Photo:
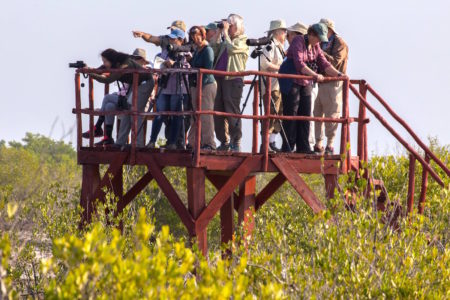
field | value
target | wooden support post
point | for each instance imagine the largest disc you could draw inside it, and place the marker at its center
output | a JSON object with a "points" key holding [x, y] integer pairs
{"points": [[91, 108], [411, 183], [117, 183], [246, 209], [89, 184], [78, 107], [134, 119], [331, 181], [196, 202], [423, 190], [227, 222], [255, 121], [361, 123], [344, 130]]}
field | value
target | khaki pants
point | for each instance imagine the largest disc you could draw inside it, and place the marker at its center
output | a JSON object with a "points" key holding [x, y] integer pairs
{"points": [[228, 99], [275, 125], [328, 104], [207, 134]]}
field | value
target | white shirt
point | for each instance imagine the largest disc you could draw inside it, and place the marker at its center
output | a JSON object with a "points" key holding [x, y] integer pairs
{"points": [[276, 56]]}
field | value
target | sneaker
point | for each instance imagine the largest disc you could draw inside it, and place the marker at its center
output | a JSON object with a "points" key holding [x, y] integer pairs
{"points": [[273, 147], [105, 141], [98, 132], [207, 147], [171, 147], [318, 150], [224, 147], [329, 150], [189, 147], [151, 145], [235, 148]]}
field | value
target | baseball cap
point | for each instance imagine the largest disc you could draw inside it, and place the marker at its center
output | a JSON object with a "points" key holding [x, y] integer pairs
{"points": [[321, 30], [177, 34]]}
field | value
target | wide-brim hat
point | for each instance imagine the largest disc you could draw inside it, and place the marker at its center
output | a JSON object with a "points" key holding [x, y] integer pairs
{"points": [[329, 23], [177, 24], [140, 53], [298, 27], [276, 24]]}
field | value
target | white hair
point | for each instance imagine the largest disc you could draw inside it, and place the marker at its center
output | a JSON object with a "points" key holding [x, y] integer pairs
{"points": [[238, 21]]}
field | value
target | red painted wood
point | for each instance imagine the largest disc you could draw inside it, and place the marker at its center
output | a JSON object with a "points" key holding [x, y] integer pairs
{"points": [[226, 191], [90, 182], [246, 216], [298, 184], [255, 121], [198, 123], [197, 202], [91, 107], [331, 182], [134, 191], [219, 181], [269, 190], [411, 183], [345, 92], [78, 107], [397, 136], [423, 190], [134, 127], [171, 194], [361, 124], [410, 131]]}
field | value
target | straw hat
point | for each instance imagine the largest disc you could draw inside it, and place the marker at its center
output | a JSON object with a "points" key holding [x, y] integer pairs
{"points": [[277, 24], [177, 24], [298, 27], [329, 23], [139, 53]]}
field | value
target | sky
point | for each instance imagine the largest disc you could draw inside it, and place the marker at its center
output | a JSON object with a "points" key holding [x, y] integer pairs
{"points": [[400, 47]]}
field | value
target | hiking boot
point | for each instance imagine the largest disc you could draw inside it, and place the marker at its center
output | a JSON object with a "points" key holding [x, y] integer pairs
{"points": [[235, 148], [224, 147], [273, 147], [151, 145], [171, 147], [207, 147], [105, 141], [329, 150], [318, 150], [98, 132]]}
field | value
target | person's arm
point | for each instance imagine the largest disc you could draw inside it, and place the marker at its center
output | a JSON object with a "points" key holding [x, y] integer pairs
{"points": [[108, 78], [325, 65], [235, 46], [147, 37], [338, 54]]}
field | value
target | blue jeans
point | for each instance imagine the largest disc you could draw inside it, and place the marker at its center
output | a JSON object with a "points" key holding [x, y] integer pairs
{"points": [[167, 102]]}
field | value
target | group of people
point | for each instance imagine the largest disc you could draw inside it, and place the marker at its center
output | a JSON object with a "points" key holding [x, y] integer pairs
{"points": [[317, 51]]}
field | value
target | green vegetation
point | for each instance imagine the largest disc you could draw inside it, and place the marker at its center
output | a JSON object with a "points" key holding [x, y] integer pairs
{"points": [[292, 253]]}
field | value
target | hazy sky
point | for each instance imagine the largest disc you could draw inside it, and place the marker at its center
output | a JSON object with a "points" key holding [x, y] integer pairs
{"points": [[400, 47]]}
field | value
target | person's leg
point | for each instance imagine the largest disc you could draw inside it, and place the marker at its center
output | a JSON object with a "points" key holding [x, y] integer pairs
{"points": [[304, 109], [290, 108], [220, 127], [208, 95], [144, 91], [176, 124], [162, 104], [314, 94], [318, 112], [232, 94], [333, 109], [192, 129]]}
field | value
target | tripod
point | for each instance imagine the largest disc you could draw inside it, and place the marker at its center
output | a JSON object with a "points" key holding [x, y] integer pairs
{"points": [[256, 53]]}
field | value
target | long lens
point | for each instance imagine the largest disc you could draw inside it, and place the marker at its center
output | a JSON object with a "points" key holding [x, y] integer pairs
{"points": [[258, 42], [182, 48], [220, 25]]}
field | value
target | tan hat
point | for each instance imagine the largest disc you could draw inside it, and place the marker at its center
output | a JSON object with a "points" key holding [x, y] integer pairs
{"points": [[177, 24], [277, 24], [329, 23], [139, 53], [298, 27]]}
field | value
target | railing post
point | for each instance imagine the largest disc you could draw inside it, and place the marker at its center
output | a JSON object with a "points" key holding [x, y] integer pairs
{"points": [[78, 107], [106, 89], [423, 190], [346, 163], [198, 123], [255, 113], [266, 123], [134, 117], [91, 108], [411, 183], [361, 123]]}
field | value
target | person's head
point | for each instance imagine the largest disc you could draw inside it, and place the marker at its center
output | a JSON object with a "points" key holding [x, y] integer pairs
{"points": [[236, 25], [112, 58], [176, 37], [317, 33], [177, 24], [277, 30], [330, 25], [140, 56], [211, 30], [297, 29], [197, 35]]}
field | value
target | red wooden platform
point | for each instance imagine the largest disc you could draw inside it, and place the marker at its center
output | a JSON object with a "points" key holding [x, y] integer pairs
{"points": [[230, 171]]}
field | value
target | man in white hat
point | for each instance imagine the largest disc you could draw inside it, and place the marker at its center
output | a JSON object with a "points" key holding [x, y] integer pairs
{"points": [[329, 99], [270, 62]]}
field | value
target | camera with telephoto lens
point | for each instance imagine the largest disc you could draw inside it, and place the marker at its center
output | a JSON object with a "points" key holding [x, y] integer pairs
{"points": [[77, 65], [259, 42]]}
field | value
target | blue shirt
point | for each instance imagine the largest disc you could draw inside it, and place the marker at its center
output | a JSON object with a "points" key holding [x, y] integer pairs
{"points": [[204, 59]]}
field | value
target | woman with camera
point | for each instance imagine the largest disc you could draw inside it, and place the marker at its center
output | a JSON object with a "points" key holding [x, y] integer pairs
{"points": [[173, 90], [231, 51], [117, 60], [203, 58]]}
